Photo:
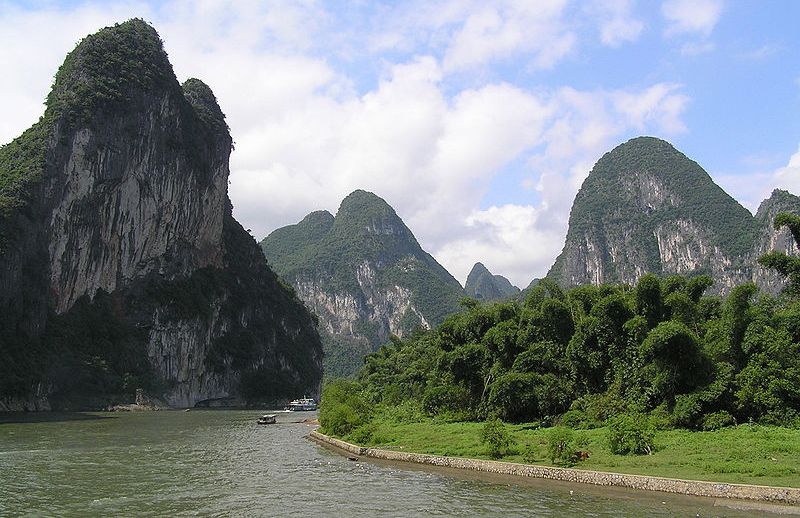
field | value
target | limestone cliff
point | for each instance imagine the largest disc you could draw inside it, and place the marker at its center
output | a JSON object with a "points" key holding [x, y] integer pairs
{"points": [[646, 207], [769, 239], [482, 285], [120, 262], [365, 276]]}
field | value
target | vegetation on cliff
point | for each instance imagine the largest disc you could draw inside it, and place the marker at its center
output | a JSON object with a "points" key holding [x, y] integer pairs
{"points": [[787, 266], [640, 188], [333, 254]]}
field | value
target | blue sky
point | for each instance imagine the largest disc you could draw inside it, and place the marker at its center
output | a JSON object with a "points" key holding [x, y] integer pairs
{"points": [[477, 121]]}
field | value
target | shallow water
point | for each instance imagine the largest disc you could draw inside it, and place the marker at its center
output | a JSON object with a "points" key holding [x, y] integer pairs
{"points": [[219, 462]]}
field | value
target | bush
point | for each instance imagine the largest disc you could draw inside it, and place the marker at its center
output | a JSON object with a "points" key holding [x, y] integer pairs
{"points": [[513, 396], [496, 437], [718, 420], [343, 408], [561, 446], [577, 419], [364, 434], [630, 434], [443, 398]]}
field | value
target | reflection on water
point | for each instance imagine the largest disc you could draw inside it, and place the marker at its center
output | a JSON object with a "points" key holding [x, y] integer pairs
{"points": [[222, 463]]}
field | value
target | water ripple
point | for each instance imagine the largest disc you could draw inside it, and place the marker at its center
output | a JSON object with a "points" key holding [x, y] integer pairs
{"points": [[220, 463]]}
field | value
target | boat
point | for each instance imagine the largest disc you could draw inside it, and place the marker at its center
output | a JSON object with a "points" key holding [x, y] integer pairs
{"points": [[303, 404], [266, 419]]}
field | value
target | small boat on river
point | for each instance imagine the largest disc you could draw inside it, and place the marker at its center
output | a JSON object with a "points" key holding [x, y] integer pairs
{"points": [[302, 404], [266, 419]]}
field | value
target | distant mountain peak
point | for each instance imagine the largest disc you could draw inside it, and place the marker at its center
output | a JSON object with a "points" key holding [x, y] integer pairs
{"points": [[484, 286]]}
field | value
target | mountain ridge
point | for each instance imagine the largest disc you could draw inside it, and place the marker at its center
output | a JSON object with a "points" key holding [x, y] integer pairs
{"points": [[364, 274], [647, 208]]}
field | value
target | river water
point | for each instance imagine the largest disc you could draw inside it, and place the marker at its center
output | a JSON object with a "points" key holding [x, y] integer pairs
{"points": [[219, 462]]}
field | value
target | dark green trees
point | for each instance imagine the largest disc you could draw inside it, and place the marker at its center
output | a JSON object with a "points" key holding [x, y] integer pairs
{"points": [[594, 352]]}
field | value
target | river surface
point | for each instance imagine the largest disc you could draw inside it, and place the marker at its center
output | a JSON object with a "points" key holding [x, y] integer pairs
{"points": [[220, 463]]}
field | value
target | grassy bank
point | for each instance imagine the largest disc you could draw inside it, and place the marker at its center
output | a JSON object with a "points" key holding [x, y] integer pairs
{"points": [[747, 454]]}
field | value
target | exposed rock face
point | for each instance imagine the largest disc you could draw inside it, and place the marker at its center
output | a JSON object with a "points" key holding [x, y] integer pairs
{"points": [[483, 286], [770, 239], [645, 207], [365, 276], [127, 216]]}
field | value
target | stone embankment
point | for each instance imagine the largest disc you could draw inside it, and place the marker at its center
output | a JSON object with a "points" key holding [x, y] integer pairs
{"points": [[783, 495]]}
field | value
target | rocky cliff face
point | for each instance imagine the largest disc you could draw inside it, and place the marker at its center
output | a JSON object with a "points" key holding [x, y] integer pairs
{"points": [[365, 276], [769, 239], [485, 287], [119, 208], [645, 207]]}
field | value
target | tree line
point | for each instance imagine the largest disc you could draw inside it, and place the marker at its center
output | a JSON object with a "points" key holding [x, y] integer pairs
{"points": [[579, 357]]}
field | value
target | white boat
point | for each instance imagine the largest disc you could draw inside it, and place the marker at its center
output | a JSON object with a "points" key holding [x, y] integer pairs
{"points": [[302, 404], [266, 419]]}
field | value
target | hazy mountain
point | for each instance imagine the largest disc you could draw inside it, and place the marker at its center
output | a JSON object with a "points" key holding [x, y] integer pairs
{"points": [[484, 286]]}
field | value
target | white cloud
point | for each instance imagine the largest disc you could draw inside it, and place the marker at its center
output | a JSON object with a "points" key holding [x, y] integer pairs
{"points": [[695, 48], [753, 188], [507, 239], [788, 177], [697, 17], [761, 53], [306, 137], [616, 22], [660, 104]]}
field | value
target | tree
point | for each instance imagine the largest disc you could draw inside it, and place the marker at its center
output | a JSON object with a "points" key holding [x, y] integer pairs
{"points": [[787, 266], [674, 362], [648, 299]]}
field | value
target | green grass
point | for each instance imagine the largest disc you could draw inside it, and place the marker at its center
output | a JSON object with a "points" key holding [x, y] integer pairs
{"points": [[747, 454]]}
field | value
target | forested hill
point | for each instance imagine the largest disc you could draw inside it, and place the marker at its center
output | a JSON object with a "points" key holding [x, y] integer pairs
{"points": [[364, 274], [647, 208], [121, 266]]}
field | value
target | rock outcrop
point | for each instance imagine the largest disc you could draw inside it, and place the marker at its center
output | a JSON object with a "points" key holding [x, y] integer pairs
{"points": [[365, 276], [485, 287], [647, 208], [769, 239], [121, 266]]}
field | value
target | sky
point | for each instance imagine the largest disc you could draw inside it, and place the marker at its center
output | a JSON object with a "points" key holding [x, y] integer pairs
{"points": [[477, 121]]}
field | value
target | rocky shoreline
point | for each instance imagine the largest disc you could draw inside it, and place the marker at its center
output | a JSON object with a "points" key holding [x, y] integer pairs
{"points": [[769, 494]]}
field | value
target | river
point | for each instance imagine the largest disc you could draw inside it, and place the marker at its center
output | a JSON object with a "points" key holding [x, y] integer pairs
{"points": [[219, 462]]}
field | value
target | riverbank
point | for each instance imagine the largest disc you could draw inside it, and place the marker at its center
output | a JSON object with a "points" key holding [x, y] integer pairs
{"points": [[744, 454], [781, 495]]}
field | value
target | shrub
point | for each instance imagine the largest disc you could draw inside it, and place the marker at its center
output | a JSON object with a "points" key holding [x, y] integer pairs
{"points": [[718, 420], [561, 446], [444, 398], [577, 419], [630, 434], [343, 408], [364, 434], [496, 437]]}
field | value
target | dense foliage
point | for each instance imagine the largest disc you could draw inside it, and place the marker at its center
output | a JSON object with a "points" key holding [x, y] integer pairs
{"points": [[658, 354]]}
